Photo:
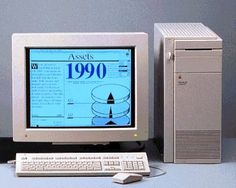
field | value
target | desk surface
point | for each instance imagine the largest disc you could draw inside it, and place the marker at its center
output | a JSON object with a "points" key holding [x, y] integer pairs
{"points": [[178, 175]]}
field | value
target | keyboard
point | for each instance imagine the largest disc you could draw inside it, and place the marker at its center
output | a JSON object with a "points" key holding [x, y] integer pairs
{"points": [[81, 164]]}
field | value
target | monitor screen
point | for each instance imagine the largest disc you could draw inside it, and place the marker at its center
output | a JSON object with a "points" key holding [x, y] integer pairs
{"points": [[80, 87]]}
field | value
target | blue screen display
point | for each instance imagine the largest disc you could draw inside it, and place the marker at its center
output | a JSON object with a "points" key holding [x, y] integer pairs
{"points": [[80, 87]]}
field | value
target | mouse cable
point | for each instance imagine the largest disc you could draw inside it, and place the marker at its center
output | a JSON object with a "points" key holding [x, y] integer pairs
{"points": [[163, 172], [11, 162]]}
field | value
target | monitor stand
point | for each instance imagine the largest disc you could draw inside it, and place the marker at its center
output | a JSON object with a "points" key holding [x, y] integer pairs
{"points": [[83, 143], [8, 148]]}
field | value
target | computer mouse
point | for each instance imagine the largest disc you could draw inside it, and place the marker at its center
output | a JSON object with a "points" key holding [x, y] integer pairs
{"points": [[124, 178]]}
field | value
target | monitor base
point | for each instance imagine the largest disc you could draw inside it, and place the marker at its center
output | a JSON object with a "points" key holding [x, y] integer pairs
{"points": [[83, 143], [9, 148]]}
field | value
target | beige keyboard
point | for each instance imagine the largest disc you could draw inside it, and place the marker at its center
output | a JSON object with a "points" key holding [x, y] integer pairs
{"points": [[80, 164]]}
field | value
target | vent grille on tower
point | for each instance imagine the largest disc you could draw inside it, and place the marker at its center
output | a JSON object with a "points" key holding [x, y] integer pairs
{"points": [[186, 30], [194, 144]]}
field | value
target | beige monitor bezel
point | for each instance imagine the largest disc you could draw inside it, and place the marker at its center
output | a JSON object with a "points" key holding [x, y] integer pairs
{"points": [[75, 135]]}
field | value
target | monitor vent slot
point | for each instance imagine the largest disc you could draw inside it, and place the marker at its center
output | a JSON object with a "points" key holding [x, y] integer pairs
{"points": [[203, 144]]}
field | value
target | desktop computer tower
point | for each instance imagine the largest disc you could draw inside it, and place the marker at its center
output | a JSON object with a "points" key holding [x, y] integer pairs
{"points": [[188, 92]]}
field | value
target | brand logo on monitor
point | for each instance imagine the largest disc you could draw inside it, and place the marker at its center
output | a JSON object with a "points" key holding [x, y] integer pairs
{"points": [[80, 57]]}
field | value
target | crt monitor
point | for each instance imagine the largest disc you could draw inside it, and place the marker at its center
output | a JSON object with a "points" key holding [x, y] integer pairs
{"points": [[80, 87]]}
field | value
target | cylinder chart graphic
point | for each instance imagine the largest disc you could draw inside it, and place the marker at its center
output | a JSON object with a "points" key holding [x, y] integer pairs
{"points": [[111, 105]]}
